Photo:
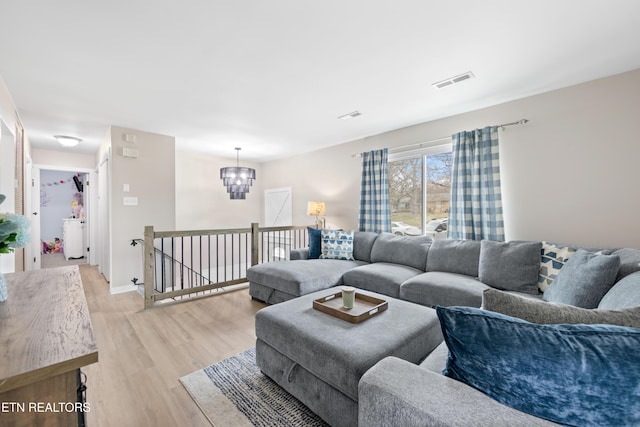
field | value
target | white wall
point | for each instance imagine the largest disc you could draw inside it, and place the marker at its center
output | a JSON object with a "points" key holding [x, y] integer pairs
{"points": [[202, 202], [7, 186], [8, 112], [151, 178], [63, 159], [331, 175], [7, 163], [569, 175]]}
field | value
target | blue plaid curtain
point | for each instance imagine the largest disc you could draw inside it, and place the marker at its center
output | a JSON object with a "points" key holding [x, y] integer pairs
{"points": [[476, 199], [374, 192]]}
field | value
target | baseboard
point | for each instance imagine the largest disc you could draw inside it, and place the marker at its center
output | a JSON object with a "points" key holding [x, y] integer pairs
{"points": [[122, 289]]}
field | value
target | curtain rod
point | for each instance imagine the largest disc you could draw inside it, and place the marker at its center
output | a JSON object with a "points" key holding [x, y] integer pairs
{"points": [[420, 144]]}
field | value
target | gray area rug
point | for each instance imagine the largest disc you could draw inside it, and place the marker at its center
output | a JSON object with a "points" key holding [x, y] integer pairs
{"points": [[234, 392]]}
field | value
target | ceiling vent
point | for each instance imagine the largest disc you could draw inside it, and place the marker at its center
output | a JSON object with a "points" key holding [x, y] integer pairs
{"points": [[351, 115], [452, 80]]}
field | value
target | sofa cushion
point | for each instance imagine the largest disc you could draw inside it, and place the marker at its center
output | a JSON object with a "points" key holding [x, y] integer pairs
{"points": [[584, 279], [298, 254], [436, 361], [590, 374], [629, 261], [454, 256], [511, 266], [624, 294], [362, 244], [382, 277], [553, 258], [406, 250], [536, 311], [300, 277], [437, 288], [337, 244]]}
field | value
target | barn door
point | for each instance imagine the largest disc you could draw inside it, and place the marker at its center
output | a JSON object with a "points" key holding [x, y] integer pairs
{"points": [[277, 207]]}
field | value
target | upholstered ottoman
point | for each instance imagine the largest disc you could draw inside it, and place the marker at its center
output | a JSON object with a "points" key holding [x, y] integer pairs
{"points": [[319, 358]]}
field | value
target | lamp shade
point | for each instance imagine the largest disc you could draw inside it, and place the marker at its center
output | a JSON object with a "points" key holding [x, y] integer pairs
{"points": [[315, 208]]}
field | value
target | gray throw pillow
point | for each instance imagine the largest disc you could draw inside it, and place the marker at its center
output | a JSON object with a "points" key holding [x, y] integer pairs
{"points": [[454, 256], [624, 294], [405, 250], [511, 266], [584, 279], [536, 311], [362, 244], [629, 262]]}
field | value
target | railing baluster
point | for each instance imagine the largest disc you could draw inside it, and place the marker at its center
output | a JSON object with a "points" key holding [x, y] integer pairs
{"points": [[217, 259], [167, 264]]}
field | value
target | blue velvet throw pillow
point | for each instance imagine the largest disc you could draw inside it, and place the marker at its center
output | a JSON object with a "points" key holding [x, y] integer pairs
{"points": [[580, 375], [315, 242]]}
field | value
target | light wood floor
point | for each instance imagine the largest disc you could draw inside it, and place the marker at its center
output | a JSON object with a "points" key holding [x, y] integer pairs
{"points": [[142, 354]]}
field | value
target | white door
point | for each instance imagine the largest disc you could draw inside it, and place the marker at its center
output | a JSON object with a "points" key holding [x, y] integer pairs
{"points": [[34, 248], [35, 219], [86, 201], [277, 207]]}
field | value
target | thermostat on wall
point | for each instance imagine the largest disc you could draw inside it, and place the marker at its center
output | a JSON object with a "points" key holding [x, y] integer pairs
{"points": [[130, 152], [130, 201]]}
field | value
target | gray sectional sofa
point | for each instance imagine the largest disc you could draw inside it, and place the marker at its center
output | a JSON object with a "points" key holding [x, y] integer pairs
{"points": [[455, 273], [395, 392], [412, 268]]}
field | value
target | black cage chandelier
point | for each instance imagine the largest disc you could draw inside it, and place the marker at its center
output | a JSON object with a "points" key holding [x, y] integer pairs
{"points": [[238, 180]]}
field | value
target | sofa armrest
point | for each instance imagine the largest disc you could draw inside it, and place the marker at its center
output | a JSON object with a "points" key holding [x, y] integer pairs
{"points": [[395, 392], [296, 254]]}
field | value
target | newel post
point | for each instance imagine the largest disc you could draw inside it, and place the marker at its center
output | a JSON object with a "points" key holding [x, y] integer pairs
{"points": [[255, 242], [149, 267]]}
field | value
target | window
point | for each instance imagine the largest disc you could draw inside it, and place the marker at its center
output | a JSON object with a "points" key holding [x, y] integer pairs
{"points": [[419, 191]]}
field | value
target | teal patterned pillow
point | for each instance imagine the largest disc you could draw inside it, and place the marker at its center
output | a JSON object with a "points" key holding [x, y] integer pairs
{"points": [[552, 260], [337, 244]]}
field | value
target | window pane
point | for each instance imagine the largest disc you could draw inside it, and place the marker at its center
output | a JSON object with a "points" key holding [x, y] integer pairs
{"points": [[409, 180], [405, 195], [438, 185]]}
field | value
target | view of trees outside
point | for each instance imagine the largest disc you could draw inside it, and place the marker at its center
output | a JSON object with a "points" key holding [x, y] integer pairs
{"points": [[406, 183], [405, 191]]}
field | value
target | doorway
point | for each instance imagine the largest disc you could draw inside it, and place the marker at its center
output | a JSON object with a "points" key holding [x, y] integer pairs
{"points": [[61, 216]]}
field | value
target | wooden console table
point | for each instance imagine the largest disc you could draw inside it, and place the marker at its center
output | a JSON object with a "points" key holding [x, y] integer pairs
{"points": [[45, 338]]}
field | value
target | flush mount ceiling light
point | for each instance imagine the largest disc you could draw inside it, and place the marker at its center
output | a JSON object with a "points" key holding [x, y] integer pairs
{"points": [[67, 141], [350, 115], [237, 180], [453, 80]]}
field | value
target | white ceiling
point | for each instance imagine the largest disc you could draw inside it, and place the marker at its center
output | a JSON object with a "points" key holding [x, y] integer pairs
{"points": [[273, 76]]}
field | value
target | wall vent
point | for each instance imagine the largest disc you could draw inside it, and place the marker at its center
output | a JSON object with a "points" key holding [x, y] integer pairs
{"points": [[456, 79]]}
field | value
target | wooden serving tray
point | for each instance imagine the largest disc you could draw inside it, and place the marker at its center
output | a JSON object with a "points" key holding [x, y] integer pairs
{"points": [[364, 307]]}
